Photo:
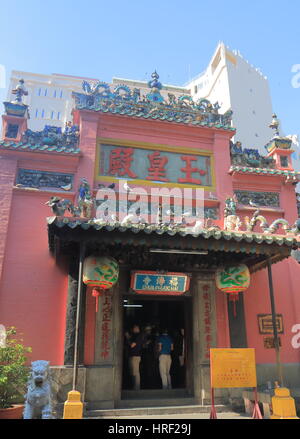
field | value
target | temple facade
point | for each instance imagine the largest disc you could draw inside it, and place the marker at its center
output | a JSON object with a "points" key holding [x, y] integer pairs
{"points": [[154, 185]]}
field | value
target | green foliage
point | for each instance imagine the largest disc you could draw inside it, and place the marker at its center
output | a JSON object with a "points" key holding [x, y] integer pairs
{"points": [[13, 372]]}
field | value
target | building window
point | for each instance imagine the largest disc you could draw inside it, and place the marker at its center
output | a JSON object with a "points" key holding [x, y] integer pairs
{"points": [[52, 114], [195, 89], [39, 92], [61, 93], [284, 161], [46, 92], [54, 94], [43, 113], [36, 113], [12, 131], [58, 115]]}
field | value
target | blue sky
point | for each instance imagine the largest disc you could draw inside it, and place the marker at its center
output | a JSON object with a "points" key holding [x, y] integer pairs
{"points": [[102, 39]]}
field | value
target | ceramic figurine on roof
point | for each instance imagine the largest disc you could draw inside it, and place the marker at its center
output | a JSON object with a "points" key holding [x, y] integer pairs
{"points": [[95, 88], [249, 157], [60, 206], [260, 221], [256, 219], [85, 199], [236, 148], [71, 133], [231, 220], [155, 85], [230, 206], [280, 142], [275, 125], [52, 135], [20, 91], [17, 107], [125, 101]]}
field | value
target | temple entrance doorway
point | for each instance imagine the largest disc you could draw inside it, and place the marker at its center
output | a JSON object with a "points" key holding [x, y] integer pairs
{"points": [[153, 316]]}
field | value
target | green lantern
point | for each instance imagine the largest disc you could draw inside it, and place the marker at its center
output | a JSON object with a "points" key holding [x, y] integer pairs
{"points": [[233, 280], [100, 271]]}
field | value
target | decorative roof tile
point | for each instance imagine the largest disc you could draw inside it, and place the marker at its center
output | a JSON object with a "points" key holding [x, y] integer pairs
{"points": [[123, 101], [264, 171], [4, 145], [215, 233], [50, 139]]}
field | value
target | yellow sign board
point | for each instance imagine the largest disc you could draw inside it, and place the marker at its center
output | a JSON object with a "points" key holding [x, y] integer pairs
{"points": [[232, 368]]}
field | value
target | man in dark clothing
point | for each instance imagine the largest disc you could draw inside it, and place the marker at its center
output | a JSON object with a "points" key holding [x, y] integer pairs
{"points": [[135, 348], [149, 359], [178, 358]]}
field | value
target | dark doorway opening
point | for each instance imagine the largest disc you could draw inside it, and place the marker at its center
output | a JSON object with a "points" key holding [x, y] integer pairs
{"points": [[152, 316]]}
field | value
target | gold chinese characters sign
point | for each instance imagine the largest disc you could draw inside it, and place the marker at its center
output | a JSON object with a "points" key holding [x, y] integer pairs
{"points": [[232, 368]]}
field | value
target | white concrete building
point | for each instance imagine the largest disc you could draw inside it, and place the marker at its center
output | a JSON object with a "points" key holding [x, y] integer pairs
{"points": [[235, 84], [49, 97], [228, 79]]}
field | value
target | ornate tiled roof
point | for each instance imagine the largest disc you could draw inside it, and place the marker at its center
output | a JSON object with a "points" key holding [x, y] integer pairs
{"points": [[124, 101], [24, 146], [156, 229], [249, 157], [265, 171]]}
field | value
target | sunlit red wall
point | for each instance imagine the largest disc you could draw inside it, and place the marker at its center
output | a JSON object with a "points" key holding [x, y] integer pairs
{"points": [[33, 287]]}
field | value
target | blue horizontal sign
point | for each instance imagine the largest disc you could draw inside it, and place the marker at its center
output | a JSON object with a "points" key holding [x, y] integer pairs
{"points": [[149, 282]]}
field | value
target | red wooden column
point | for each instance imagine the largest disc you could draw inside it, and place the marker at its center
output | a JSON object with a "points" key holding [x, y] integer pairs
{"points": [[90, 327]]}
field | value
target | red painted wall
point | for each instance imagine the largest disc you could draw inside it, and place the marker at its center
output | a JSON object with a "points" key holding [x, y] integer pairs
{"points": [[286, 275], [33, 287]]}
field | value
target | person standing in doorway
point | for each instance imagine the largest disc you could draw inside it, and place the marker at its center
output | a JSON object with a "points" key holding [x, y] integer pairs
{"points": [[165, 347], [178, 357], [148, 359], [135, 349]]}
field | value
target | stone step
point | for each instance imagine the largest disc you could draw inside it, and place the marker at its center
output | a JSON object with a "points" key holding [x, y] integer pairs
{"points": [[155, 402], [159, 410], [154, 394]]}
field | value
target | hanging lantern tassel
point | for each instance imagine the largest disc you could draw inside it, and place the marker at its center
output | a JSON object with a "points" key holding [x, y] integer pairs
{"points": [[234, 297], [96, 292]]}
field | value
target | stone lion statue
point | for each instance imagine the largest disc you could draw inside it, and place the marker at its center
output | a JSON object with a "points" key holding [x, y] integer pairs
{"points": [[38, 404]]}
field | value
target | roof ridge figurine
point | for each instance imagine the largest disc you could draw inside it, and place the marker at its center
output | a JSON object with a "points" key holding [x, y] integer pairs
{"points": [[98, 96], [20, 91]]}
